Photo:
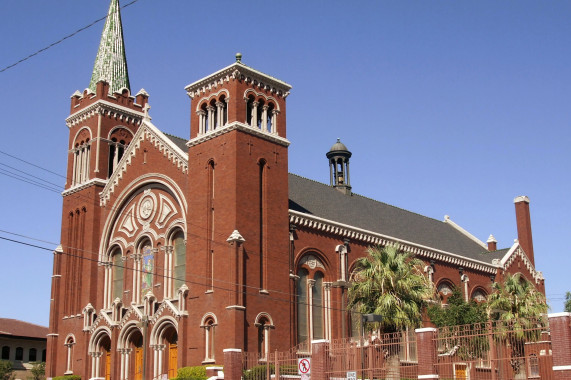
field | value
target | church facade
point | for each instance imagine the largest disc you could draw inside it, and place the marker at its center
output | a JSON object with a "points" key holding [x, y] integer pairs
{"points": [[174, 249]]}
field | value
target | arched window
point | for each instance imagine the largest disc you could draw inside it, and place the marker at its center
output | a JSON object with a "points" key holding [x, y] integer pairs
{"points": [[69, 343], [119, 140], [479, 295], [32, 355], [146, 269], [313, 301], [445, 290], [264, 324], [301, 294], [5, 352], [251, 111], [118, 273], [179, 260], [19, 353], [317, 306], [209, 326]]}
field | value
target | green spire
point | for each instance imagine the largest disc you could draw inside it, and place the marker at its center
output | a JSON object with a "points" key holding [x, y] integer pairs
{"points": [[111, 62]]}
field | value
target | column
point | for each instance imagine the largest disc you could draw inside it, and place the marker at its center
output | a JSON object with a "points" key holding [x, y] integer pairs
{"points": [[211, 121], [560, 326], [232, 364], [275, 121], [74, 175], [310, 285], [201, 121], [220, 114], [254, 115], [265, 117], [426, 342]]}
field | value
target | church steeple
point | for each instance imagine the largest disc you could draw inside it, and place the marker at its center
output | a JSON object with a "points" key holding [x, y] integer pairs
{"points": [[111, 62]]}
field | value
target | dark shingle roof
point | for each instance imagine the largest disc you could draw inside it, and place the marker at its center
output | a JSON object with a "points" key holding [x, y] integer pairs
{"points": [[178, 141], [17, 328], [323, 201]]}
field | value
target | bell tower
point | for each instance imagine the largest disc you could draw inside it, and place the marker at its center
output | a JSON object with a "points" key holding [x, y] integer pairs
{"points": [[338, 157], [103, 120], [238, 201]]}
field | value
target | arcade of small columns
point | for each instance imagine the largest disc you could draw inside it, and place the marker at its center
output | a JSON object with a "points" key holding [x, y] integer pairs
{"points": [[214, 116]]}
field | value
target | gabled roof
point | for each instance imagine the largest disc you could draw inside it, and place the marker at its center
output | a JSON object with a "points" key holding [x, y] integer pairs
{"points": [[16, 328], [178, 141], [318, 199], [111, 62]]}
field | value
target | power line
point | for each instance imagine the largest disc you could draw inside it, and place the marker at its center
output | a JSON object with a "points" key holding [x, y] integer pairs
{"points": [[61, 40]]}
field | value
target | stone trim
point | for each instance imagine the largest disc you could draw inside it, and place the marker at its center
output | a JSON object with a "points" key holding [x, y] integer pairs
{"points": [[557, 315], [562, 367], [147, 132], [102, 107], [514, 252], [366, 236], [84, 185], [449, 221], [238, 71], [236, 125]]}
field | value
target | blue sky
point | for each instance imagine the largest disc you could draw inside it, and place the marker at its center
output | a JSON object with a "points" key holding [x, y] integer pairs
{"points": [[450, 108]]}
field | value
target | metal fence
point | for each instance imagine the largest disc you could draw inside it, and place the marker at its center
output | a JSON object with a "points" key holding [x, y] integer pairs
{"points": [[384, 356], [276, 365], [494, 351]]}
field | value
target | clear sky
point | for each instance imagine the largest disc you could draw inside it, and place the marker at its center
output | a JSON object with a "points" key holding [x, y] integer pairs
{"points": [[449, 107]]}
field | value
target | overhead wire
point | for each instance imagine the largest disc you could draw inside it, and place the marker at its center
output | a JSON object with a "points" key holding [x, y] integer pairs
{"points": [[51, 45]]}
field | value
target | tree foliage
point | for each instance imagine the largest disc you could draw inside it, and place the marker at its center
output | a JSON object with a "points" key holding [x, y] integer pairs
{"points": [[6, 370], [568, 302], [457, 311], [517, 302], [391, 283]]}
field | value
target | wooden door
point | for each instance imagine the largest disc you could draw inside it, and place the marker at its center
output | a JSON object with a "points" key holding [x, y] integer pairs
{"points": [[108, 365], [139, 363], [461, 372], [173, 357]]}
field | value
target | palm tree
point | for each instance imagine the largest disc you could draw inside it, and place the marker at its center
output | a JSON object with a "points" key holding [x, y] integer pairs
{"points": [[391, 283], [517, 302], [520, 309]]}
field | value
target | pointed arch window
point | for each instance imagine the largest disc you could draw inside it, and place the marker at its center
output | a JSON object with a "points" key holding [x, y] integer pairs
{"points": [[209, 325], [179, 260]]}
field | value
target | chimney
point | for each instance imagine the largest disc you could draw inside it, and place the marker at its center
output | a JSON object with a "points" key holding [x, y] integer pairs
{"points": [[523, 221], [492, 243]]}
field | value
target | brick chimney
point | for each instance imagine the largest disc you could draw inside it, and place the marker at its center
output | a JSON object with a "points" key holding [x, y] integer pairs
{"points": [[523, 221], [492, 243]]}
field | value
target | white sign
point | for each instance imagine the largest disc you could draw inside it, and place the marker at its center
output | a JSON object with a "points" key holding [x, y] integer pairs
{"points": [[352, 375], [304, 366]]}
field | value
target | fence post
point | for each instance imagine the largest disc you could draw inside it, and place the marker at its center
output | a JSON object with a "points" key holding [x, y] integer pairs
{"points": [[277, 366], [319, 359], [426, 352], [232, 364], [560, 328]]}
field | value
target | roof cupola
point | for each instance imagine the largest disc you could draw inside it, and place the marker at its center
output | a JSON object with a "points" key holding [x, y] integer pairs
{"points": [[338, 157], [111, 62]]}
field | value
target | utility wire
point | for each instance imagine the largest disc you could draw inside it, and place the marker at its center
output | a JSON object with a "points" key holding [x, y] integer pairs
{"points": [[61, 40]]}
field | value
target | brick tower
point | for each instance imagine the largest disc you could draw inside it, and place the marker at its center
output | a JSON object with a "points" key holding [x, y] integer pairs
{"points": [[238, 207], [102, 122]]}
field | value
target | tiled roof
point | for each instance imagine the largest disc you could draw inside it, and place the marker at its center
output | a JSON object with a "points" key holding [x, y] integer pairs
{"points": [[324, 201], [111, 62], [17, 328], [178, 141]]}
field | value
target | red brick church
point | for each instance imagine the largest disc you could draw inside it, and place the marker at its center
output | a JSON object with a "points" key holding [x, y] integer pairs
{"points": [[174, 249]]}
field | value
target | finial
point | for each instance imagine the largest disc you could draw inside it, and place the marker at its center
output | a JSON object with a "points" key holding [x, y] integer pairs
{"points": [[338, 139], [239, 57]]}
